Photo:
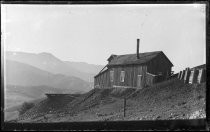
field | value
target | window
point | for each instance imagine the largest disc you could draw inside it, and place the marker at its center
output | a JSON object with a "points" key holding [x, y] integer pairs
{"points": [[122, 76], [112, 76]]}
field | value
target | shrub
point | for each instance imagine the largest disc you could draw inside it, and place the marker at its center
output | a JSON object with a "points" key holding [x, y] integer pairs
{"points": [[25, 106]]}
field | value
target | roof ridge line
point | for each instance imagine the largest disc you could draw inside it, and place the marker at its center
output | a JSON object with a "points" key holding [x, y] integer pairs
{"points": [[141, 53]]}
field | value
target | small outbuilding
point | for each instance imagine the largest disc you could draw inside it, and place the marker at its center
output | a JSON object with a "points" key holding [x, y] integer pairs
{"points": [[134, 70]]}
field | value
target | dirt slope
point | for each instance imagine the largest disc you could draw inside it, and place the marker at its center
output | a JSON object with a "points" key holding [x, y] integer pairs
{"points": [[169, 100]]}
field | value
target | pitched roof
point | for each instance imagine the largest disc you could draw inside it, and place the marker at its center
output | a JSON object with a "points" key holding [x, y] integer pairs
{"points": [[132, 58]]}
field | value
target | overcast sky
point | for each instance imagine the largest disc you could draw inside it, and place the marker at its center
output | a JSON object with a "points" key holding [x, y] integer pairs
{"points": [[91, 33]]}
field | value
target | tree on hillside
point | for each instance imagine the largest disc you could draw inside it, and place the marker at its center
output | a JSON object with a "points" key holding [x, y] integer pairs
{"points": [[25, 106]]}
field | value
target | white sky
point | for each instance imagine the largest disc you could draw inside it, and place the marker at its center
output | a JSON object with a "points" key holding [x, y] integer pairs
{"points": [[91, 33]]}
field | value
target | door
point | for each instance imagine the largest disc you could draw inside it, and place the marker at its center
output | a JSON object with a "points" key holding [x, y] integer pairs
{"points": [[139, 81]]}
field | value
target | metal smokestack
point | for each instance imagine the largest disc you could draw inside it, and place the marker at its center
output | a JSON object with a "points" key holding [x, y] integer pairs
{"points": [[137, 50]]}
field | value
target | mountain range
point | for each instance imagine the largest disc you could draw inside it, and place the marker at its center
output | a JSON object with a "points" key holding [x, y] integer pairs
{"points": [[26, 75], [48, 62], [35, 74]]}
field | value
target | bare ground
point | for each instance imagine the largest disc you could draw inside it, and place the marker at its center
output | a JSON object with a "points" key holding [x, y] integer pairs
{"points": [[169, 100]]}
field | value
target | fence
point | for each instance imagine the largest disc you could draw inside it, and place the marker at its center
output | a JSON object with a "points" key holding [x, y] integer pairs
{"points": [[193, 75]]}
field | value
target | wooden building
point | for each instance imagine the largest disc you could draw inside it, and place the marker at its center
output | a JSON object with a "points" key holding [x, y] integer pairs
{"points": [[134, 70]]}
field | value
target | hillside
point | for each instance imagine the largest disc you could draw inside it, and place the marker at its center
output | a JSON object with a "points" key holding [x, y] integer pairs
{"points": [[11, 110], [24, 82], [16, 95], [26, 75], [48, 62], [169, 100]]}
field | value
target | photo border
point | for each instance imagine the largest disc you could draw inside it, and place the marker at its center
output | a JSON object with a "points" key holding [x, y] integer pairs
{"points": [[194, 124]]}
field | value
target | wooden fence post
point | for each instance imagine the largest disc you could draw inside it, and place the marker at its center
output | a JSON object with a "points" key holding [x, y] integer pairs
{"points": [[187, 75], [180, 75], [191, 77], [124, 106], [195, 76], [201, 76]]}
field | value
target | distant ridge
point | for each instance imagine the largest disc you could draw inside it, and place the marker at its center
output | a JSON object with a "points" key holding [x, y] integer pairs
{"points": [[48, 62], [26, 75]]}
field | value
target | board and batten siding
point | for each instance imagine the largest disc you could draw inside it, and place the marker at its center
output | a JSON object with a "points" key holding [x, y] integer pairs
{"points": [[102, 80], [130, 79], [159, 64]]}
